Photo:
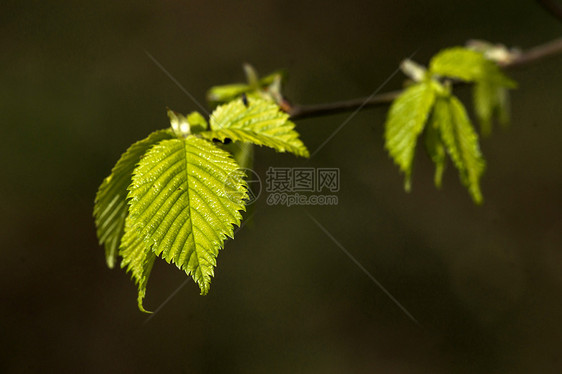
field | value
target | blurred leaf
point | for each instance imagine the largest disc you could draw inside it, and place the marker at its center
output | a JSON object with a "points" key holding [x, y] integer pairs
{"points": [[406, 119], [415, 71], [461, 142], [490, 99], [468, 65], [242, 152], [179, 123], [198, 122], [110, 207], [434, 145], [497, 53], [261, 123], [269, 79], [183, 126], [266, 88], [251, 76], [223, 94]]}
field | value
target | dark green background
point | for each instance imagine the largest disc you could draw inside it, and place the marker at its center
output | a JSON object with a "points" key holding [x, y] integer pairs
{"points": [[77, 88]]}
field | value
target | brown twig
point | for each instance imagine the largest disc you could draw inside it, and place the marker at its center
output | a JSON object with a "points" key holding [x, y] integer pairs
{"points": [[537, 53], [317, 110], [528, 57]]}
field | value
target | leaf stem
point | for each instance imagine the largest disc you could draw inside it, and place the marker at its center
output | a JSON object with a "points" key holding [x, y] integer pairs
{"points": [[298, 111]]}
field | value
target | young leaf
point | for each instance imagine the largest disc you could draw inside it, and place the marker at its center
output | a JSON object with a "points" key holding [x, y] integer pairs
{"points": [[458, 62], [413, 70], [502, 106], [192, 124], [261, 123], [406, 119], [198, 122], [490, 99], [435, 148], [255, 88], [110, 207], [251, 76], [186, 194], [467, 65], [461, 142], [222, 94], [180, 124], [138, 259]]}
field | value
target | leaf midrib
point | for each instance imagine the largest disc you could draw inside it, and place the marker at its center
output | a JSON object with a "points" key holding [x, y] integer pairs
{"points": [[190, 218]]}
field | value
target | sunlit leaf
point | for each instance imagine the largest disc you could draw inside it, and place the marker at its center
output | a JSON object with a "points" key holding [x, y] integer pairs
{"points": [[222, 94], [261, 123], [490, 100], [110, 208], [197, 121], [434, 146], [406, 119], [266, 88], [468, 65], [461, 142], [186, 194], [138, 258]]}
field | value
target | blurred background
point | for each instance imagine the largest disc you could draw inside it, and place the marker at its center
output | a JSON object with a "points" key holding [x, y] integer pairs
{"points": [[485, 283]]}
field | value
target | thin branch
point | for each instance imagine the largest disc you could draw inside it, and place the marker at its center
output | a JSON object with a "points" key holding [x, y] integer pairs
{"points": [[555, 9], [535, 54], [317, 110], [528, 57]]}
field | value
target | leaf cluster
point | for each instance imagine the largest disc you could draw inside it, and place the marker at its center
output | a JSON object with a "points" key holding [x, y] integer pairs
{"points": [[428, 108], [177, 194], [266, 88]]}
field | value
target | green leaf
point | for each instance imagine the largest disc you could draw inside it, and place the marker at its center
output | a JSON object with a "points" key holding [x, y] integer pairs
{"points": [[435, 148], [461, 142], [266, 88], [251, 76], [490, 99], [186, 194], [197, 121], [278, 75], [110, 207], [467, 65], [180, 124], [503, 107], [242, 152], [138, 259], [222, 94], [183, 126], [458, 62], [261, 123], [406, 119]]}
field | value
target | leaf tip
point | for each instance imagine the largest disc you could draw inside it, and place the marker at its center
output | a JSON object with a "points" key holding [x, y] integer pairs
{"points": [[477, 195], [438, 179], [110, 261], [141, 307], [204, 286], [408, 183]]}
